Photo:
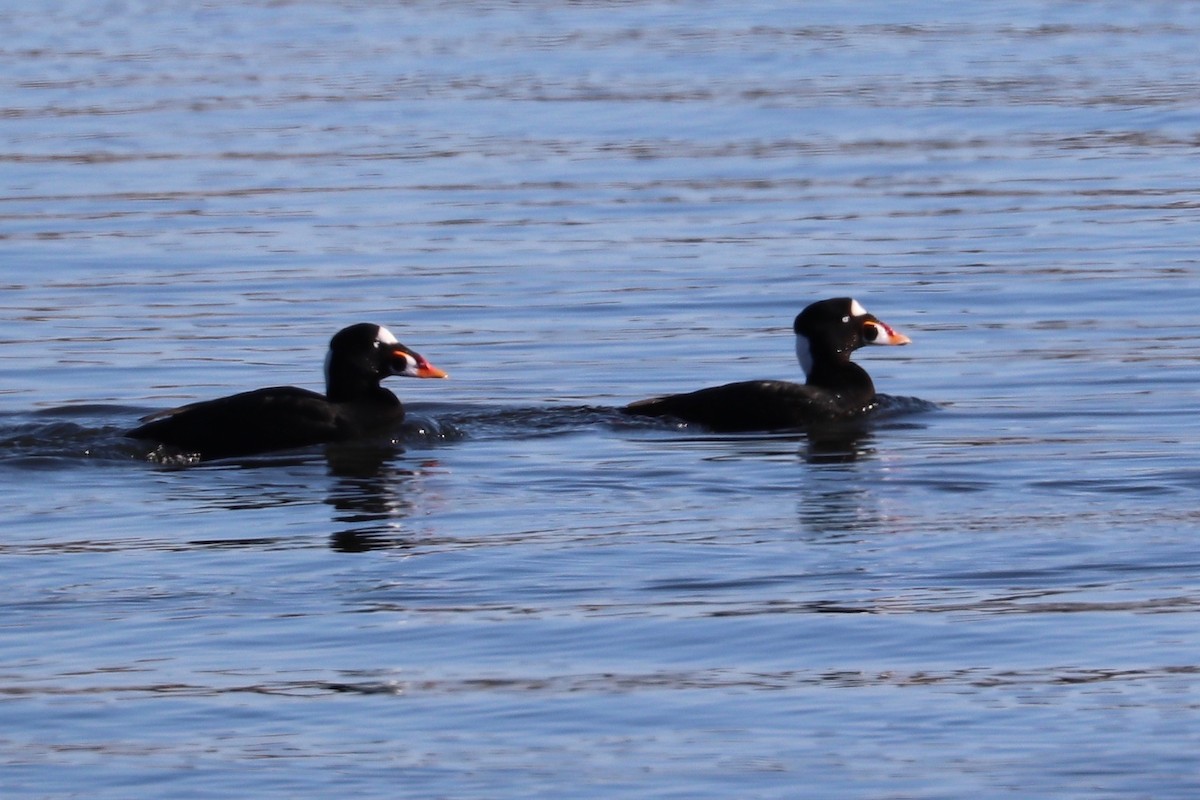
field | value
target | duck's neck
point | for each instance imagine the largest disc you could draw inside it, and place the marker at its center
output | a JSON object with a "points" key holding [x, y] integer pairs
{"points": [[374, 395], [344, 385], [845, 378]]}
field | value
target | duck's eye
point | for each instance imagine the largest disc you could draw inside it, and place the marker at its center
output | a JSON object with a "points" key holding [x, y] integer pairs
{"points": [[845, 319]]}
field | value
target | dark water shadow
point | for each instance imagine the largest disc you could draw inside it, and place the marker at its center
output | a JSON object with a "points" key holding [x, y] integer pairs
{"points": [[528, 422], [67, 436]]}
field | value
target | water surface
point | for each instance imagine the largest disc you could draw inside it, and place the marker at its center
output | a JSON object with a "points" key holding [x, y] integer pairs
{"points": [[569, 207]]}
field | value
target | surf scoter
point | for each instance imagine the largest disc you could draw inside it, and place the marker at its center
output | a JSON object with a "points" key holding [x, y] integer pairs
{"points": [[283, 417], [827, 332]]}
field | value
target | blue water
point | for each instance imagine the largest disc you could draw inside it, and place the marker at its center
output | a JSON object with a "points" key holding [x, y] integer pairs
{"points": [[569, 207]]}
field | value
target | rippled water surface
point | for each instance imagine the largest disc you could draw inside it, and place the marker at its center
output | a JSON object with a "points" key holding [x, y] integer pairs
{"points": [[989, 591]]}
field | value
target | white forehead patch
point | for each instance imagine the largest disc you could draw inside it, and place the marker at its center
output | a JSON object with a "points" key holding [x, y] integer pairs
{"points": [[856, 309], [385, 336]]}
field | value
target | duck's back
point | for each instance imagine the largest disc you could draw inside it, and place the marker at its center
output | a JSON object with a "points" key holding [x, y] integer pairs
{"points": [[276, 418], [747, 406]]}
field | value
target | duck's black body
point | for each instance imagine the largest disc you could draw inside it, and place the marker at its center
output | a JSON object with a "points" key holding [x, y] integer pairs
{"points": [[748, 406], [827, 332], [277, 418], [284, 417]]}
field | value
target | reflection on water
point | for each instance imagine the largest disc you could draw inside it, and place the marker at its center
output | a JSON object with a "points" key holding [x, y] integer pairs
{"points": [[575, 205], [839, 513], [370, 496]]}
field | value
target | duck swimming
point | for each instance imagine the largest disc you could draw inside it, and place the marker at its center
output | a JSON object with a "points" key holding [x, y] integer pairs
{"points": [[285, 417], [827, 332]]}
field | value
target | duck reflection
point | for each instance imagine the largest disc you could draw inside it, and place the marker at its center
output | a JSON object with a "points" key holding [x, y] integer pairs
{"points": [[838, 445], [839, 503], [370, 495], [839, 514]]}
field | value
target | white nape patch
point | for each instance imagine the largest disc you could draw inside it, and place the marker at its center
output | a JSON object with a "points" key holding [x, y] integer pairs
{"points": [[385, 336], [856, 309], [804, 354]]}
